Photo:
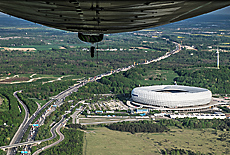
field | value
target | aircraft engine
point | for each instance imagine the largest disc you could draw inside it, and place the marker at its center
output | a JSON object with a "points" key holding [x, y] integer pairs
{"points": [[91, 38]]}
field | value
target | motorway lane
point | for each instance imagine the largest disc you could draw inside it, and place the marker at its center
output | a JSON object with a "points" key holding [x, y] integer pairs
{"points": [[20, 129], [24, 126], [59, 125], [52, 130], [67, 92]]}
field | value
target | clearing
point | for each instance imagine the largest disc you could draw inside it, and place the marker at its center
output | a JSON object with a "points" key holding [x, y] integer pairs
{"points": [[157, 77], [100, 141], [1, 100]]}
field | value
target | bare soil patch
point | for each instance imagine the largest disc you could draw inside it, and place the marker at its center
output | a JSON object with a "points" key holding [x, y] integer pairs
{"points": [[16, 79], [1, 100]]}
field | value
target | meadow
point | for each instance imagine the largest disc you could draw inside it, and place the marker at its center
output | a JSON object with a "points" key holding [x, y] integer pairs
{"points": [[102, 141]]}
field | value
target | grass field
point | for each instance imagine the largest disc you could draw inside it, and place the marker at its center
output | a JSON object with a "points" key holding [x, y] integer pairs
{"points": [[159, 77], [44, 78], [48, 76], [91, 120], [39, 47], [66, 77], [49, 47], [1, 100], [12, 75], [102, 141], [41, 102]]}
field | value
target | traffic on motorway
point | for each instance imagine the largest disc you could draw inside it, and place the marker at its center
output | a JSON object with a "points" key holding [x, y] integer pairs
{"points": [[57, 100]]}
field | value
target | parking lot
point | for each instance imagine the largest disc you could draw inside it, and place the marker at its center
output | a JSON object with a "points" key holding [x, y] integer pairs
{"points": [[107, 105]]}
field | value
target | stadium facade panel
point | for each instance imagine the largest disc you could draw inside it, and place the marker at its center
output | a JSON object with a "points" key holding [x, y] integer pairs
{"points": [[171, 96]]}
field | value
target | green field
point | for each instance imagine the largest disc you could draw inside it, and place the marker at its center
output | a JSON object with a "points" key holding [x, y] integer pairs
{"points": [[102, 141], [157, 77], [49, 47], [41, 102], [44, 75], [41, 47], [44, 78], [66, 77], [12, 75], [3, 107]]}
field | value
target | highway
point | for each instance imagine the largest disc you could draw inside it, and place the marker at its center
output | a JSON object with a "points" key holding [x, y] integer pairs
{"points": [[52, 130], [27, 121], [61, 96], [24, 126], [20, 129], [58, 127]]}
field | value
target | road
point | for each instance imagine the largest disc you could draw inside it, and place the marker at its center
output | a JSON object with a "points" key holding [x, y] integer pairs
{"points": [[24, 126], [59, 125], [26, 122], [109, 122], [39, 106], [20, 129], [52, 130]]}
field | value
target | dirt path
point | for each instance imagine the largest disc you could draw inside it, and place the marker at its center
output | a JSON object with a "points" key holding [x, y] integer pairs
{"points": [[8, 80]]}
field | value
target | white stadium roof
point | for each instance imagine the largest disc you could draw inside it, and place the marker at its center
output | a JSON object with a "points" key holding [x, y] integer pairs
{"points": [[171, 96]]}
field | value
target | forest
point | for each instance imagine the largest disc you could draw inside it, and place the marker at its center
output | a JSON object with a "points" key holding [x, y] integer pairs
{"points": [[11, 117], [72, 144], [180, 152], [135, 127], [61, 53], [216, 80], [217, 124], [163, 125]]}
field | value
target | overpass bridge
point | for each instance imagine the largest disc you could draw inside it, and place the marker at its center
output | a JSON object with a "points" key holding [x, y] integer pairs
{"points": [[20, 144], [52, 130]]}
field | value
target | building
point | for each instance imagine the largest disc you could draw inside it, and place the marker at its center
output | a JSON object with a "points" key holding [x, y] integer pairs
{"points": [[172, 97], [99, 112], [139, 111], [110, 112], [199, 116]]}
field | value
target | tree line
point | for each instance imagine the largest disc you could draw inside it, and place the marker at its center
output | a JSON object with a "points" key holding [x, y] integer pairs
{"points": [[218, 124], [164, 124], [173, 151], [140, 126], [11, 117], [71, 145], [216, 80]]}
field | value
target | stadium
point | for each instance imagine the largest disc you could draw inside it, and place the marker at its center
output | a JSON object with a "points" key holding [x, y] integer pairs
{"points": [[171, 96]]}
